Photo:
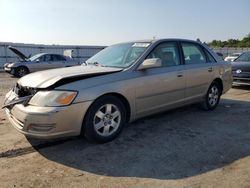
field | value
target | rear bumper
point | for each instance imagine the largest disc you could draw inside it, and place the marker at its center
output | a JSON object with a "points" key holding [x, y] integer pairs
{"points": [[48, 122]]}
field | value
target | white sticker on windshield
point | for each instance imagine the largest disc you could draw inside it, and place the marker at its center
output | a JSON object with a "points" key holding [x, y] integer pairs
{"points": [[141, 44]]}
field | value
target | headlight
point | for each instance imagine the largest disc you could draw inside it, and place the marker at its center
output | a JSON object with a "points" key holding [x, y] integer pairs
{"points": [[10, 65], [53, 98]]}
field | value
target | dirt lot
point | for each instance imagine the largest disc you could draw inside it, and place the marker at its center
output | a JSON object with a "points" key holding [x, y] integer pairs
{"points": [[186, 147]]}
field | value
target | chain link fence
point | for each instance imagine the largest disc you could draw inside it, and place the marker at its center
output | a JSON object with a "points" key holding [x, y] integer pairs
{"points": [[227, 51]]}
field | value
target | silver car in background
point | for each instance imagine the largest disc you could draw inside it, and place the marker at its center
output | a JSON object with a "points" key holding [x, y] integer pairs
{"points": [[232, 57], [38, 62], [120, 84]]}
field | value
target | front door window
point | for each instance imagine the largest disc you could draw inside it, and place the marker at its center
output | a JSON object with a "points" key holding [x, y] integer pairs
{"points": [[168, 53]]}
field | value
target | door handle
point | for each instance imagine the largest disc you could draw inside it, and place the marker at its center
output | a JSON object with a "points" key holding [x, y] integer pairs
{"points": [[179, 74], [210, 69]]}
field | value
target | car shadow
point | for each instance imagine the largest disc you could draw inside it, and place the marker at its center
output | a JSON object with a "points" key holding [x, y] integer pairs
{"points": [[172, 145]]}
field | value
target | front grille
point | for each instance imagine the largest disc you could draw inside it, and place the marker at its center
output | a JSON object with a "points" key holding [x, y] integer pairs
{"points": [[21, 91]]}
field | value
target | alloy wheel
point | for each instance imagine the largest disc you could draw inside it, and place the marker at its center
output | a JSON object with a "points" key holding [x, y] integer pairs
{"points": [[107, 119], [22, 72], [213, 96]]}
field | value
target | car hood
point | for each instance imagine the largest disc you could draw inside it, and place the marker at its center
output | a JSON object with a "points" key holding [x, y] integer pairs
{"points": [[56, 77], [17, 52], [244, 66]]}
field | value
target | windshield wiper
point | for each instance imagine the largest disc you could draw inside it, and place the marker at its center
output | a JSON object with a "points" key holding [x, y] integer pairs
{"points": [[96, 64]]}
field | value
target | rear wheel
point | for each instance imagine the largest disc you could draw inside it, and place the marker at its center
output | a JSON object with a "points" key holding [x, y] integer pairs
{"points": [[21, 71], [212, 97], [104, 119]]}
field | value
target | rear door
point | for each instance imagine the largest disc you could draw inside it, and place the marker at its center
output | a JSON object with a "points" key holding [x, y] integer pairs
{"points": [[56, 61], [162, 87], [199, 70]]}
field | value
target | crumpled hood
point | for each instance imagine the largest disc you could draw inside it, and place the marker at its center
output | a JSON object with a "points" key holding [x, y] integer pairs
{"points": [[45, 79]]}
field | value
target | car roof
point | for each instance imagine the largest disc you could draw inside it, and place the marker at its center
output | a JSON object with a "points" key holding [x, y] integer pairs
{"points": [[48, 54], [162, 40]]}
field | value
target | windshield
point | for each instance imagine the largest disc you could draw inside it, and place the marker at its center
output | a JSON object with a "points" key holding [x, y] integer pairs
{"points": [[33, 58], [244, 57], [119, 55]]}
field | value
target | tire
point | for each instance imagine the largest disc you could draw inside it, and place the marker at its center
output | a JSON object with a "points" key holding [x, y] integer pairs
{"points": [[212, 97], [21, 71], [104, 119]]}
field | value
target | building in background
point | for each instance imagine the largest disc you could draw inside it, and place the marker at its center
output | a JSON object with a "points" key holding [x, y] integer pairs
{"points": [[79, 53]]}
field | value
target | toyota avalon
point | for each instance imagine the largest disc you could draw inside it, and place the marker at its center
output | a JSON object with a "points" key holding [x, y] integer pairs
{"points": [[119, 84]]}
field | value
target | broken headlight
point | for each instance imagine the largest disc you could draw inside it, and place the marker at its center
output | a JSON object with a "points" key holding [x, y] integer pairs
{"points": [[53, 98]]}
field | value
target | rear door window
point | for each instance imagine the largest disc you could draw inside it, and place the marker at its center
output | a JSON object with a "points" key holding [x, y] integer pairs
{"points": [[58, 58], [193, 53]]}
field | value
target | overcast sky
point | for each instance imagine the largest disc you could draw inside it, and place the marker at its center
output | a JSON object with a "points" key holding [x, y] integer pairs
{"points": [[104, 22]]}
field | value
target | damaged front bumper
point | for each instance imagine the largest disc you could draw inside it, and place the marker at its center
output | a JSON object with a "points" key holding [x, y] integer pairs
{"points": [[47, 122]]}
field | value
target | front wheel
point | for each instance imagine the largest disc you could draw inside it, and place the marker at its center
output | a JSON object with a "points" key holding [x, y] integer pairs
{"points": [[104, 119], [21, 71], [212, 97]]}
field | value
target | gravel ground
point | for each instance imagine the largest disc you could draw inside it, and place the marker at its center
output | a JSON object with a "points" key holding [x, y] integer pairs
{"points": [[186, 147]]}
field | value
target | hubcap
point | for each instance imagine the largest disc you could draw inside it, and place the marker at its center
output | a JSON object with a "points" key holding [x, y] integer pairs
{"points": [[21, 72], [213, 96], [107, 120]]}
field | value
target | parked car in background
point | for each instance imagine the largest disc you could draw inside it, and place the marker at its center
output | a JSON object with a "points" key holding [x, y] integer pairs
{"points": [[241, 69], [220, 55], [120, 84], [232, 57], [37, 62]]}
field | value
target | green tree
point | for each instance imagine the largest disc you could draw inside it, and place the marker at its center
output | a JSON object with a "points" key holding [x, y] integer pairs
{"points": [[245, 42]]}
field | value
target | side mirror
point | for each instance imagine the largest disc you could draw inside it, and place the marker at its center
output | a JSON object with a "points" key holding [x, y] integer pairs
{"points": [[150, 63]]}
